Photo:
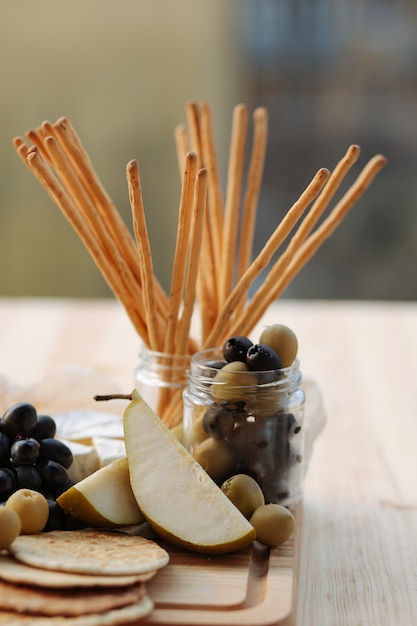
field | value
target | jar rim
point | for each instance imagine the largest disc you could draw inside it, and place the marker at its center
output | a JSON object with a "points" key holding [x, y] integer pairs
{"points": [[161, 356], [195, 361], [201, 374]]}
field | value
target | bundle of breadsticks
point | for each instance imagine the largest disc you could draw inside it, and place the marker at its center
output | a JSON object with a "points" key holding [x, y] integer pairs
{"points": [[213, 271]]}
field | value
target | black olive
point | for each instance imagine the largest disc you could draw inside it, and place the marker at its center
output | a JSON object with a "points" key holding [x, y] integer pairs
{"points": [[262, 358]]}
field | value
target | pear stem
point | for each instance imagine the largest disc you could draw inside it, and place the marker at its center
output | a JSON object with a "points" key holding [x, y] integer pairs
{"points": [[114, 396]]}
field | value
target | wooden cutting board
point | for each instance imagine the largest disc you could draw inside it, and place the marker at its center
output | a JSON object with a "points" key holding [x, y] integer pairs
{"points": [[252, 587]]}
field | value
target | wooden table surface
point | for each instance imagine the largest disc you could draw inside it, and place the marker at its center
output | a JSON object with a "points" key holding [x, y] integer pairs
{"points": [[359, 530]]}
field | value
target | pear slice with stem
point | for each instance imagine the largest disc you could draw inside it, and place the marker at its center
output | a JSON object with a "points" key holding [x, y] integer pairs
{"points": [[104, 499], [177, 497]]}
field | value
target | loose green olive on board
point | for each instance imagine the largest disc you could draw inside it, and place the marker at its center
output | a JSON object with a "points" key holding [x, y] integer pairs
{"points": [[215, 457], [32, 508], [274, 524], [10, 526], [283, 340], [244, 492]]}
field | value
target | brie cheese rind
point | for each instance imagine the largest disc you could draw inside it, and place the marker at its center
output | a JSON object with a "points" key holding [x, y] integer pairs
{"points": [[95, 439], [86, 460], [83, 426]]}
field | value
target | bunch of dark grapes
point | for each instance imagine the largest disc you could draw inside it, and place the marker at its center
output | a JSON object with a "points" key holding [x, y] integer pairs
{"points": [[31, 458]]}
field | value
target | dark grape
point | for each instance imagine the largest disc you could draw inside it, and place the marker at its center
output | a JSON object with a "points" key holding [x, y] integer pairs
{"points": [[31, 457], [236, 348], [54, 475], [19, 418], [57, 519], [5, 445], [25, 451], [56, 450], [72, 523], [261, 358], [28, 477], [8, 482], [45, 428]]}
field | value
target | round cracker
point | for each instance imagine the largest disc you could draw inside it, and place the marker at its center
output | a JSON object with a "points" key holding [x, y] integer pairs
{"points": [[125, 615], [16, 572], [90, 552], [66, 602]]}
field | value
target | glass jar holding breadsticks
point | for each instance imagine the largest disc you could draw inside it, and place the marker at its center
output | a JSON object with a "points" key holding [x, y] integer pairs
{"points": [[213, 270]]}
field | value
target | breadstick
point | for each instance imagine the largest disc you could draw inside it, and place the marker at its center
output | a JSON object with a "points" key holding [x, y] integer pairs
{"points": [[71, 183], [111, 217], [256, 167], [317, 209], [171, 409], [57, 158], [193, 260], [92, 217], [145, 255], [332, 185], [54, 188], [212, 265], [270, 290], [215, 198], [182, 146], [181, 248], [206, 279], [206, 282], [260, 263], [22, 151], [21, 147], [178, 271], [193, 122], [36, 139], [207, 312], [232, 203], [205, 291], [80, 161]]}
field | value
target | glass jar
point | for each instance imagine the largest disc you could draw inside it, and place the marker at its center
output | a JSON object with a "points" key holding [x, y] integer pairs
{"points": [[247, 422], [160, 379]]}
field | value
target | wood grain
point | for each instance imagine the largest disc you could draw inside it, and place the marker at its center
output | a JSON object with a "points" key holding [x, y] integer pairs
{"points": [[358, 543], [252, 587]]}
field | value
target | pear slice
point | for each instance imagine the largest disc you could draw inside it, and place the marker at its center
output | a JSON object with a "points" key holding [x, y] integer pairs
{"points": [[104, 499], [177, 497]]}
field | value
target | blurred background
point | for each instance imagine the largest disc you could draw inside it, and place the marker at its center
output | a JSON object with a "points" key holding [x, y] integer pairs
{"points": [[330, 72]]}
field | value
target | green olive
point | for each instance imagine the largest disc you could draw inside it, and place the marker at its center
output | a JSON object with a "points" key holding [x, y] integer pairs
{"points": [[244, 492], [215, 457], [32, 508], [283, 340], [273, 523], [228, 382], [10, 526]]}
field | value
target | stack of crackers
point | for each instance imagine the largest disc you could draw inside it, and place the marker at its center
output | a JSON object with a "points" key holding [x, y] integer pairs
{"points": [[78, 578]]}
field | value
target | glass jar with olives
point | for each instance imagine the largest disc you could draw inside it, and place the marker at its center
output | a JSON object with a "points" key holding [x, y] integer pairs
{"points": [[243, 413]]}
